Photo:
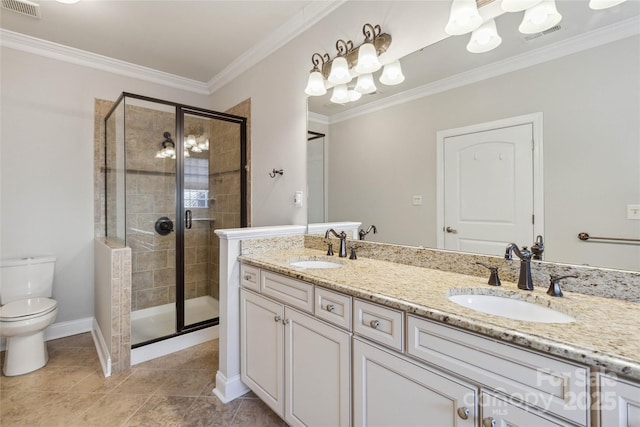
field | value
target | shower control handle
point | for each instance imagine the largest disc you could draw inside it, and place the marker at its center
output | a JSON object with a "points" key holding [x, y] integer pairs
{"points": [[163, 226], [187, 219]]}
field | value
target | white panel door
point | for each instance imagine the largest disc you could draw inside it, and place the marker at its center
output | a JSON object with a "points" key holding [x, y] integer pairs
{"points": [[488, 190]]}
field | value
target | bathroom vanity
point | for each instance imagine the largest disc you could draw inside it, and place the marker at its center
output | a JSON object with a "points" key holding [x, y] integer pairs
{"points": [[371, 342]]}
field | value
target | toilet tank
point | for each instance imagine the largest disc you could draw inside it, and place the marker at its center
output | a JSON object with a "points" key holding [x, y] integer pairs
{"points": [[27, 277]]}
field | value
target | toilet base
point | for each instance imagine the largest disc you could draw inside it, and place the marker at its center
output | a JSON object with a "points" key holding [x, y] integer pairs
{"points": [[25, 353]]}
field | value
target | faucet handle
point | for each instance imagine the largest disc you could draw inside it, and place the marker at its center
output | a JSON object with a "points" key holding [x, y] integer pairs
{"points": [[494, 279], [554, 285], [330, 249]]}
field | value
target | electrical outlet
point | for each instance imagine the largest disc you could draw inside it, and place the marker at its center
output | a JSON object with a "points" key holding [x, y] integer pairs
{"points": [[417, 200], [633, 211]]}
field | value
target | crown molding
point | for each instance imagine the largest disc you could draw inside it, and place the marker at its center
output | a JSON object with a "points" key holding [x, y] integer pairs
{"points": [[296, 25], [72, 55], [310, 15], [595, 38], [318, 118]]}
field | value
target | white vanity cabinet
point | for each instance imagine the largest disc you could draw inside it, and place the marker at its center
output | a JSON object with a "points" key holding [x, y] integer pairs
{"points": [[557, 390], [298, 365], [619, 402], [391, 390]]}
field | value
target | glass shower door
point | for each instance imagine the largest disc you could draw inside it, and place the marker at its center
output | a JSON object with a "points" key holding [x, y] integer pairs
{"points": [[151, 166], [211, 200]]}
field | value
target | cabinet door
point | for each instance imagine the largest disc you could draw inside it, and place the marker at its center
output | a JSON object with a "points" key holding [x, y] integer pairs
{"points": [[261, 348], [619, 402], [498, 411], [390, 390], [317, 372]]}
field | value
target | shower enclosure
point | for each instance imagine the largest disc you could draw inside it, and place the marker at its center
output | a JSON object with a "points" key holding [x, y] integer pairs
{"points": [[173, 174]]}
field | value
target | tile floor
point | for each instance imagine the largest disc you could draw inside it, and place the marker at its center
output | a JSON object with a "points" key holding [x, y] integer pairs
{"points": [[173, 390]]}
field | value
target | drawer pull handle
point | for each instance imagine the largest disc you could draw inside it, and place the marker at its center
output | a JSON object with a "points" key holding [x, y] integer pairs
{"points": [[285, 322], [330, 308], [463, 413], [277, 319], [374, 324], [247, 277], [489, 422]]}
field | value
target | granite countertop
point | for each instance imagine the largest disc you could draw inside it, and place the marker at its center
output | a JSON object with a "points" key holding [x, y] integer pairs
{"points": [[604, 335]]}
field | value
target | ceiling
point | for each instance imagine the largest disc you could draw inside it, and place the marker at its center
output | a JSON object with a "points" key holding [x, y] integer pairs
{"points": [[192, 39]]}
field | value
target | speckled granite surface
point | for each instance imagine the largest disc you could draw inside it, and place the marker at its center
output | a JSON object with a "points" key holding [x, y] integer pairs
{"points": [[604, 335]]}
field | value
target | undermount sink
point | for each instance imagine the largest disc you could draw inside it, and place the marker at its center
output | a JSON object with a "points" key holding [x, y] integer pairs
{"points": [[315, 263], [511, 308]]}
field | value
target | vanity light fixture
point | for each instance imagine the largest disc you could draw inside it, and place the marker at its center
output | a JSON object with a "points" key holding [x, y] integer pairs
{"points": [[195, 144], [350, 62], [392, 74]]}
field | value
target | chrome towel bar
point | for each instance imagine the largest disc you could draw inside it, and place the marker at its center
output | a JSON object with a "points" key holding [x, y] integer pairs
{"points": [[585, 237]]}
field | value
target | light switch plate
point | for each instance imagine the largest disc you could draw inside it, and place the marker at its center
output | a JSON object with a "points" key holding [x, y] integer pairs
{"points": [[633, 211], [297, 199]]}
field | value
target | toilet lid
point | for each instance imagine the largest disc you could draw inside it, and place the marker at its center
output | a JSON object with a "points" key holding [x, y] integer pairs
{"points": [[27, 307]]}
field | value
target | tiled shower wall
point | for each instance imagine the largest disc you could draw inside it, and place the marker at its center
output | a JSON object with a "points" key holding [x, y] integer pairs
{"points": [[150, 192]]}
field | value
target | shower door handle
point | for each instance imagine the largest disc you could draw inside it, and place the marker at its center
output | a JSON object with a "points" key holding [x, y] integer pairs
{"points": [[187, 218]]}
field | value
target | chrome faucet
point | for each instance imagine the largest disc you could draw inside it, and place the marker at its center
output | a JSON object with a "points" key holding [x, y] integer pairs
{"points": [[363, 233], [343, 241], [524, 281]]}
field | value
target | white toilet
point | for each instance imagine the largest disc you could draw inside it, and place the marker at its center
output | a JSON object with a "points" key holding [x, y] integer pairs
{"points": [[25, 287]]}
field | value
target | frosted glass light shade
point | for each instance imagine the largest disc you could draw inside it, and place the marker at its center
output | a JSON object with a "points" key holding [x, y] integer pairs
{"points": [[518, 5], [354, 96], [367, 59], [340, 94], [392, 74], [484, 38], [339, 71], [315, 84], [540, 17], [365, 84], [604, 4], [463, 18]]}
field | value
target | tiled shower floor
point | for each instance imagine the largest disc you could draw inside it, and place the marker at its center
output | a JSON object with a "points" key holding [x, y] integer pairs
{"points": [[173, 390]]}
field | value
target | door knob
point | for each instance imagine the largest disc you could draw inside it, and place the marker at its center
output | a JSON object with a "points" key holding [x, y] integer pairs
{"points": [[451, 230]]}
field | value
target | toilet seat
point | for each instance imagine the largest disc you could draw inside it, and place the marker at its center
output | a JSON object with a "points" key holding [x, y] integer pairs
{"points": [[26, 309]]}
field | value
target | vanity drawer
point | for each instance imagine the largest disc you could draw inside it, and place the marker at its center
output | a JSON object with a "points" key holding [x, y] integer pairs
{"points": [[292, 292], [380, 324], [333, 307], [250, 277], [553, 385]]}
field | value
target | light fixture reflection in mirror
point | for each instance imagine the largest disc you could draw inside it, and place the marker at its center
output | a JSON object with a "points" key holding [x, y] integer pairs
{"points": [[484, 38]]}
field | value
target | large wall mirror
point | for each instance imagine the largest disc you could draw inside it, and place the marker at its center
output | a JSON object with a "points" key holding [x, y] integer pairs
{"points": [[584, 78]]}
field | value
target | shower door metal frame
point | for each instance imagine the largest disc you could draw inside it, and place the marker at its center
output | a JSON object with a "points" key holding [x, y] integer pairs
{"points": [[181, 110]]}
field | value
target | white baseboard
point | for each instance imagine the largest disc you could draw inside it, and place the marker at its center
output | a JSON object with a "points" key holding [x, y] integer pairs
{"points": [[171, 345], [228, 389], [101, 348], [62, 330]]}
